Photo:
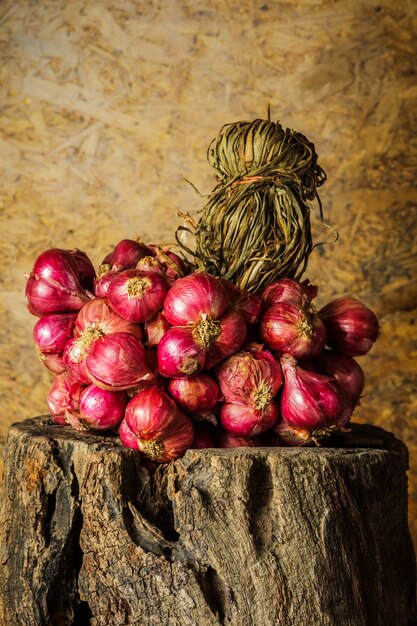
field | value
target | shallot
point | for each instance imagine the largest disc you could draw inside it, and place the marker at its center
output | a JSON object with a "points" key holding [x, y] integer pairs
{"points": [[193, 297], [352, 328], [345, 370], [289, 290], [250, 377], [288, 328], [99, 409], [245, 420], [53, 286], [117, 362], [311, 401], [137, 296], [163, 432]]}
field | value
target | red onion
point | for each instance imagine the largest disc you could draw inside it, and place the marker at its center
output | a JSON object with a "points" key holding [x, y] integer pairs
{"points": [[202, 437], [245, 420], [75, 356], [53, 286], [185, 351], [197, 395], [228, 440], [345, 370], [102, 282], [125, 255], [162, 430], [172, 443], [251, 378], [311, 401], [128, 439], [86, 271], [155, 329], [150, 412], [99, 409], [179, 354], [352, 328], [289, 329], [94, 321], [245, 302], [290, 436], [151, 265], [52, 332], [54, 362], [231, 336], [97, 319], [137, 296], [289, 290], [195, 296], [173, 265], [64, 395], [117, 362]]}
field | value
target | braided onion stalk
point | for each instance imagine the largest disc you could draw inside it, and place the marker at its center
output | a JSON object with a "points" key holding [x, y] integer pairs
{"points": [[255, 227]]}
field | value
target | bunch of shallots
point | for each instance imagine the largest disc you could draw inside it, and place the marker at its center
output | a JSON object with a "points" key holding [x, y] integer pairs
{"points": [[173, 359]]}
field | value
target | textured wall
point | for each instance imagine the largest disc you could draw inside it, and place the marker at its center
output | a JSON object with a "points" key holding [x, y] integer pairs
{"points": [[107, 107]]}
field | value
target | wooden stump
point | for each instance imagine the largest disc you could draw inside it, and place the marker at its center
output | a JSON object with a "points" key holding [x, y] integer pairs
{"points": [[243, 537]]}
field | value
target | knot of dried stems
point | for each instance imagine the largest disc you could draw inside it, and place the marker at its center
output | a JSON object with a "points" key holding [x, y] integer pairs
{"points": [[255, 227]]}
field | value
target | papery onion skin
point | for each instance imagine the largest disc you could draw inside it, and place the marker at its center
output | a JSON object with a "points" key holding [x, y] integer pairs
{"points": [[151, 265], [98, 318], [163, 432], [288, 329], [228, 440], [170, 444], [137, 296], [232, 336], [249, 377], [194, 296], [345, 370], [53, 285], [290, 436], [64, 394], [126, 254], [246, 303], [117, 362], [352, 328], [86, 271], [52, 332], [246, 421], [102, 283], [309, 401], [175, 267], [128, 439], [155, 329], [74, 358], [195, 394], [99, 409], [288, 290], [179, 354], [150, 412], [54, 362]]}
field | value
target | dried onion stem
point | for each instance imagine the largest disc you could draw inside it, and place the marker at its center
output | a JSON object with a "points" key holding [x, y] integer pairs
{"points": [[255, 227]]}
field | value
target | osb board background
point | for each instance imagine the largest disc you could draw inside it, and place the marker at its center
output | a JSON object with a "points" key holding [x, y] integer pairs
{"points": [[107, 107]]}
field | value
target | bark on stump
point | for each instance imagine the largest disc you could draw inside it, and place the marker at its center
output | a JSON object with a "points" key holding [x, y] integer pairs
{"points": [[242, 537]]}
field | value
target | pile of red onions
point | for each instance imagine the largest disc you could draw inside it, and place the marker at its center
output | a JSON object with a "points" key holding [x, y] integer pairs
{"points": [[172, 359]]}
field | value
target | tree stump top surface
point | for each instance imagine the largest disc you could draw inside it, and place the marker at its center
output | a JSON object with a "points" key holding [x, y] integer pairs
{"points": [[361, 437], [220, 537]]}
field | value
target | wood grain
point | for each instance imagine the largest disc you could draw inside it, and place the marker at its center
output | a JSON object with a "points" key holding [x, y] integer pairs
{"points": [[244, 536]]}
